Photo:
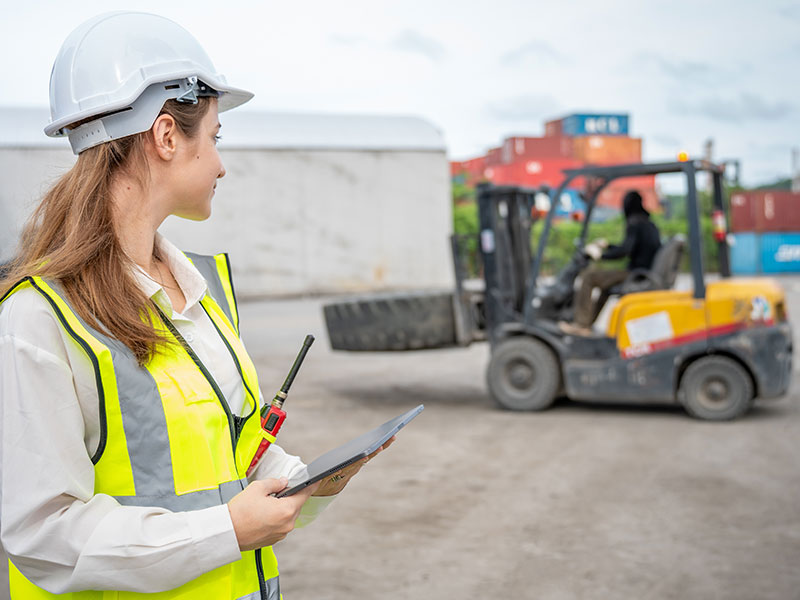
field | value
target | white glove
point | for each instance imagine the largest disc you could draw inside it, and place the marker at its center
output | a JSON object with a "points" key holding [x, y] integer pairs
{"points": [[593, 251]]}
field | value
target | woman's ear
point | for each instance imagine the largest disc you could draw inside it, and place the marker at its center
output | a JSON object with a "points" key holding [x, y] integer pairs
{"points": [[164, 135]]}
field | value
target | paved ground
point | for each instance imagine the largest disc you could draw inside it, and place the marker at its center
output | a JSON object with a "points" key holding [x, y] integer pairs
{"points": [[581, 501]]}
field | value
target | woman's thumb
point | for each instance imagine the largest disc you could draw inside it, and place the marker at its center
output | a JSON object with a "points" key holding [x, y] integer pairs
{"points": [[273, 486]]}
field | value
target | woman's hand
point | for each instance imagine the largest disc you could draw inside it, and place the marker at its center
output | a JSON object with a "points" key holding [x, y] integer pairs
{"points": [[336, 482], [260, 520]]}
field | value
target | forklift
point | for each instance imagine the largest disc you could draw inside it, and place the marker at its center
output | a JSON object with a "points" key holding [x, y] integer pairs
{"points": [[712, 349]]}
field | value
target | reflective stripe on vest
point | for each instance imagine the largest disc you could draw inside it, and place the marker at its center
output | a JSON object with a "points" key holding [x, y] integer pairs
{"points": [[167, 439]]}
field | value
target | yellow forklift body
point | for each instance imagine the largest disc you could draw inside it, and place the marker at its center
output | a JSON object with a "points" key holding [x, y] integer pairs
{"points": [[647, 322]]}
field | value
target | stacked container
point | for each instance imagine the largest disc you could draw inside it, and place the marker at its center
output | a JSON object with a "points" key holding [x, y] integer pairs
{"points": [[570, 142], [766, 232]]}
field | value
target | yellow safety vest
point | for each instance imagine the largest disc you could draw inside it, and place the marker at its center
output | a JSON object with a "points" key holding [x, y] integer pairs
{"points": [[168, 437]]}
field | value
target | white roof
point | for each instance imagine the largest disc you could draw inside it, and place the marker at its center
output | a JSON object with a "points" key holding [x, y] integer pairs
{"points": [[22, 127]]}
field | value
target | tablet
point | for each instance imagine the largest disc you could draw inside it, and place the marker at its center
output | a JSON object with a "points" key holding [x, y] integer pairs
{"points": [[354, 450]]}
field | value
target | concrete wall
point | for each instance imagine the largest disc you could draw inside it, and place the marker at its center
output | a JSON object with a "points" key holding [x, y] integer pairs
{"points": [[25, 175], [295, 221]]}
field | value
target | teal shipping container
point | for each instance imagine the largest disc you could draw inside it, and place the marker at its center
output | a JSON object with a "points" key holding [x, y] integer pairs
{"points": [[765, 253]]}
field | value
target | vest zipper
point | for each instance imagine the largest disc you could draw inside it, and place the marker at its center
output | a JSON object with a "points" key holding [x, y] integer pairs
{"points": [[220, 396]]}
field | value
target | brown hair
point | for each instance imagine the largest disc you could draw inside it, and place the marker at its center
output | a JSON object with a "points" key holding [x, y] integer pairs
{"points": [[71, 238]]}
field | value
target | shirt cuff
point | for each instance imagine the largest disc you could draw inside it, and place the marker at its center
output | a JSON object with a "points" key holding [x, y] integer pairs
{"points": [[213, 535]]}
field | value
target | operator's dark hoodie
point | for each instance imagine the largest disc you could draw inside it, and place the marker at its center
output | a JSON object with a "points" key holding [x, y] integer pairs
{"points": [[642, 239]]}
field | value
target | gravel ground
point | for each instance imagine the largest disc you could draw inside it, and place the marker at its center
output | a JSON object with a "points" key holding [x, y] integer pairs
{"points": [[580, 501]]}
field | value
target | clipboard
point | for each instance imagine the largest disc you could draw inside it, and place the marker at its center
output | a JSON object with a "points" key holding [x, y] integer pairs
{"points": [[346, 454]]}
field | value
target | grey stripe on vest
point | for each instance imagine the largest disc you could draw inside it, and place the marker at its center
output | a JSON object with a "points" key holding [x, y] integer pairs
{"points": [[208, 269], [145, 428], [190, 501], [146, 435], [273, 591]]}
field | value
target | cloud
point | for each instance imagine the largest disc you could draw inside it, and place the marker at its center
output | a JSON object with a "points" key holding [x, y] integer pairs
{"points": [[536, 50], [790, 11], [746, 107], [683, 70], [531, 107], [413, 41]]}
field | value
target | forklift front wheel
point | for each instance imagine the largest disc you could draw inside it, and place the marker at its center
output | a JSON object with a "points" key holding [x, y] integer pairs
{"points": [[523, 374], [716, 388]]}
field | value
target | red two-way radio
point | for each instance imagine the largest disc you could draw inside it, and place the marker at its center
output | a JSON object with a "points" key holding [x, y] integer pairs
{"points": [[273, 415]]}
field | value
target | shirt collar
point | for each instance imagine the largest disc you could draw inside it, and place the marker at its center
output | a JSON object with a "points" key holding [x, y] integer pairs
{"points": [[189, 279]]}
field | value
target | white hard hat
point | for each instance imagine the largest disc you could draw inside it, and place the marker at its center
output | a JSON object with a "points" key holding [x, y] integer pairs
{"points": [[121, 67]]}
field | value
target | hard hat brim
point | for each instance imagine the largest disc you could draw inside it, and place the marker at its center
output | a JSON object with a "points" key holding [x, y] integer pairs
{"points": [[229, 97]]}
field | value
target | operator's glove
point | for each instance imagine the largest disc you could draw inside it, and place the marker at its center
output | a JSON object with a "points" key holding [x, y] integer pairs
{"points": [[593, 251]]}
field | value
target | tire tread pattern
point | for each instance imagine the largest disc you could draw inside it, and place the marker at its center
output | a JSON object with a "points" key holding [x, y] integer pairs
{"points": [[392, 322]]}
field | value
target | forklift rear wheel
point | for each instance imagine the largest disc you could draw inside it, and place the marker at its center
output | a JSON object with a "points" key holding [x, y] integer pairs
{"points": [[523, 374], [716, 388]]}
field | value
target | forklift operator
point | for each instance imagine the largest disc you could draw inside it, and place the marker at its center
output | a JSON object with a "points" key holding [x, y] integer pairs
{"points": [[642, 241]]}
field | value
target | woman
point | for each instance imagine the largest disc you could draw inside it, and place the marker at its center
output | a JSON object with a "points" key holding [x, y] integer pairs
{"points": [[129, 403]]}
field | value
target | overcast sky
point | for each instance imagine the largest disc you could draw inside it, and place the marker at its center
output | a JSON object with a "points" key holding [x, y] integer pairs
{"points": [[481, 71]]}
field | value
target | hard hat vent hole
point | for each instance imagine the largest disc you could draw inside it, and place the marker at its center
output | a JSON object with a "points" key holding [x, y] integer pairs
{"points": [[174, 86]]}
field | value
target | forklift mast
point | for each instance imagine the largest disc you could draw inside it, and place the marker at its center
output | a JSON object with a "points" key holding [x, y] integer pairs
{"points": [[505, 217]]}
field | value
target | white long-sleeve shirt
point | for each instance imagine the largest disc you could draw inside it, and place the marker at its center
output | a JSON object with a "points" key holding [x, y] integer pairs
{"points": [[55, 529]]}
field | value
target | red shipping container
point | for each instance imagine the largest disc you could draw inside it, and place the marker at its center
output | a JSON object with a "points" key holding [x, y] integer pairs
{"points": [[553, 128], [780, 211], [494, 157], [537, 148], [532, 173], [763, 211], [743, 211]]}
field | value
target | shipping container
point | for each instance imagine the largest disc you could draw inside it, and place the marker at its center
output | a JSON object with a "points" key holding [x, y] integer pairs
{"points": [[780, 252], [765, 211], [536, 148], [743, 212], [607, 150], [595, 124], [744, 253], [553, 128], [494, 157], [470, 171], [765, 253], [532, 173]]}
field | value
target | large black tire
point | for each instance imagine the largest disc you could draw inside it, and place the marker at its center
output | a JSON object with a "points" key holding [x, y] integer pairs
{"points": [[523, 374], [716, 388], [410, 321]]}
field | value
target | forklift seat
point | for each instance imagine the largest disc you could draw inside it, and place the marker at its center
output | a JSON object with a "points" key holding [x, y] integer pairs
{"points": [[661, 276]]}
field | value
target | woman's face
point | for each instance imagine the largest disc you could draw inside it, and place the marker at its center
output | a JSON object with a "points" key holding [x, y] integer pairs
{"points": [[197, 168]]}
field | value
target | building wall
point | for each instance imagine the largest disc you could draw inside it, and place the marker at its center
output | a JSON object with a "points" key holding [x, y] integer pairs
{"points": [[25, 175], [295, 221]]}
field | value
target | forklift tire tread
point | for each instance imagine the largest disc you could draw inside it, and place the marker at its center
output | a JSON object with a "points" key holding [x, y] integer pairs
{"points": [[523, 374], [716, 388], [409, 321]]}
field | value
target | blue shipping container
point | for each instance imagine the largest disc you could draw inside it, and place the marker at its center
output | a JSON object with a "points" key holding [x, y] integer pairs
{"points": [[594, 124], [780, 252], [744, 254], [769, 253]]}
